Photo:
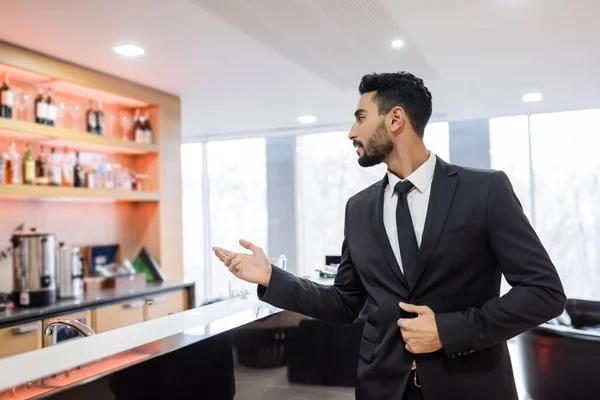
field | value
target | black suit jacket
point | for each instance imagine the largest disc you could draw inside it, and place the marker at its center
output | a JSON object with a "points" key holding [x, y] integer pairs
{"points": [[475, 231]]}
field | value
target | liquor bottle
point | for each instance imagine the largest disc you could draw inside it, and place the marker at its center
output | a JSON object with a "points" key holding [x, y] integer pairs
{"points": [[50, 109], [28, 167], [41, 108], [78, 173], [55, 168], [148, 136], [7, 99], [41, 168], [13, 165], [92, 119], [3, 165], [67, 169], [138, 128], [100, 119]]}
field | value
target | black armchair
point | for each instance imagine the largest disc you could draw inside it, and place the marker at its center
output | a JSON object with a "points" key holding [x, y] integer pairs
{"points": [[560, 358]]}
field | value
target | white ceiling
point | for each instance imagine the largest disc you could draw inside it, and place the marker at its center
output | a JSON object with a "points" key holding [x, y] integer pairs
{"points": [[256, 65]]}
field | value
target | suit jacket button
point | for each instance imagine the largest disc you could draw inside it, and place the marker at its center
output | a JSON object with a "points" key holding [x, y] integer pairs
{"points": [[413, 302]]}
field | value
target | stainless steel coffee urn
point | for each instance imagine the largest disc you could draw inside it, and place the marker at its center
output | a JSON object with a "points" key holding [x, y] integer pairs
{"points": [[34, 268], [70, 272]]}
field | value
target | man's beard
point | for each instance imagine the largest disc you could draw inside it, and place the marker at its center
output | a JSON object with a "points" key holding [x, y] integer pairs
{"points": [[379, 146]]}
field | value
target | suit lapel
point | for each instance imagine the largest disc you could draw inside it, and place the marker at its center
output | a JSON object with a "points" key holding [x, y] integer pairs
{"points": [[378, 229], [443, 188]]}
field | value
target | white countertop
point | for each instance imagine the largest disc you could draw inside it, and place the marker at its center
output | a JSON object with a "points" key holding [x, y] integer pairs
{"points": [[195, 325], [163, 334]]}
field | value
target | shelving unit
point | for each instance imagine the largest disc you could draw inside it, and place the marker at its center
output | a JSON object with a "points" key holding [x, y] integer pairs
{"points": [[15, 192], [83, 216], [59, 137]]}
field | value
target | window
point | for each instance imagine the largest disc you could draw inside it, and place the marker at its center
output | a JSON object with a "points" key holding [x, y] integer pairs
{"points": [[193, 212], [509, 152], [566, 189], [437, 139], [327, 175], [237, 195]]}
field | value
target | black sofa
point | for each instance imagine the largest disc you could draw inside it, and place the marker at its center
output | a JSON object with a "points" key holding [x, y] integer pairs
{"points": [[561, 358]]}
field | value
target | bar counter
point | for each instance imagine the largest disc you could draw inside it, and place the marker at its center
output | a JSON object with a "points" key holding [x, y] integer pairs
{"points": [[20, 315], [62, 367]]}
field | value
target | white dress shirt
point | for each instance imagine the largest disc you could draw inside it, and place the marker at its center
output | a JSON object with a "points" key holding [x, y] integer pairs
{"points": [[418, 201]]}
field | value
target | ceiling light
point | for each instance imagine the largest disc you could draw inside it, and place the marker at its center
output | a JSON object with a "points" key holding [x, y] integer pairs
{"points": [[532, 97], [397, 44], [307, 119], [129, 50]]}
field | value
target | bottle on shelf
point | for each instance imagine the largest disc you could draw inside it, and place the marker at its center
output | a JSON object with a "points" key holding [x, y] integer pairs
{"points": [[109, 176], [28, 167], [90, 178], [7, 99], [41, 107], [138, 127], [41, 168], [55, 168], [78, 173], [3, 165], [92, 119], [67, 169], [148, 135], [14, 166], [100, 119], [50, 109]]}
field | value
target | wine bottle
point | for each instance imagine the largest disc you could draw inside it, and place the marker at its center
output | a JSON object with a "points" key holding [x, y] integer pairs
{"points": [[92, 119], [41, 168], [138, 128], [67, 169], [14, 167], [7, 99], [41, 108], [78, 173], [3, 166], [55, 168], [100, 119], [148, 135], [28, 167], [50, 109]]}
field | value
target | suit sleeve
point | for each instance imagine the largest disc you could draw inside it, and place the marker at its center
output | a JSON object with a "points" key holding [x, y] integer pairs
{"points": [[536, 295], [339, 303]]}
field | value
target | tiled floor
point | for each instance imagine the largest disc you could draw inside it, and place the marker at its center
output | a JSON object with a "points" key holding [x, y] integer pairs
{"points": [[252, 384]]}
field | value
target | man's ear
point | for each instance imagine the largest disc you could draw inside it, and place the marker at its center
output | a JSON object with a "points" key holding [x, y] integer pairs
{"points": [[397, 120]]}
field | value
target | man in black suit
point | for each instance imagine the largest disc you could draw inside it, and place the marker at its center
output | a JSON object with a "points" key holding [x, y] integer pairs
{"points": [[425, 248]]}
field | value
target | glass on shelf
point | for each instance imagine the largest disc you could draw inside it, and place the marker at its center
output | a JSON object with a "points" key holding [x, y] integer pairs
{"points": [[61, 115], [109, 177], [126, 124], [75, 115], [111, 122], [118, 177], [24, 106]]}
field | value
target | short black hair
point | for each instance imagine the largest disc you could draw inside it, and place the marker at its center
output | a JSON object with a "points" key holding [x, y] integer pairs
{"points": [[400, 89]]}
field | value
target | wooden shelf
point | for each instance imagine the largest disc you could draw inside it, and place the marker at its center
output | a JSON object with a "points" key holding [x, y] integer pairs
{"points": [[61, 86], [58, 137], [52, 192]]}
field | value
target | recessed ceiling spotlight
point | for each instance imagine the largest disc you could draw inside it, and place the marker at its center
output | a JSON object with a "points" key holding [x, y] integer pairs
{"points": [[532, 97], [129, 50], [398, 43], [307, 119]]}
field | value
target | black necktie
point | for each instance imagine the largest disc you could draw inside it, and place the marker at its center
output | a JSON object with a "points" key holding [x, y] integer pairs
{"points": [[406, 232]]}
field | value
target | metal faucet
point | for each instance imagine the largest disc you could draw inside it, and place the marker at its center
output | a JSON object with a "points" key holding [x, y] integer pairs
{"points": [[73, 323]]}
